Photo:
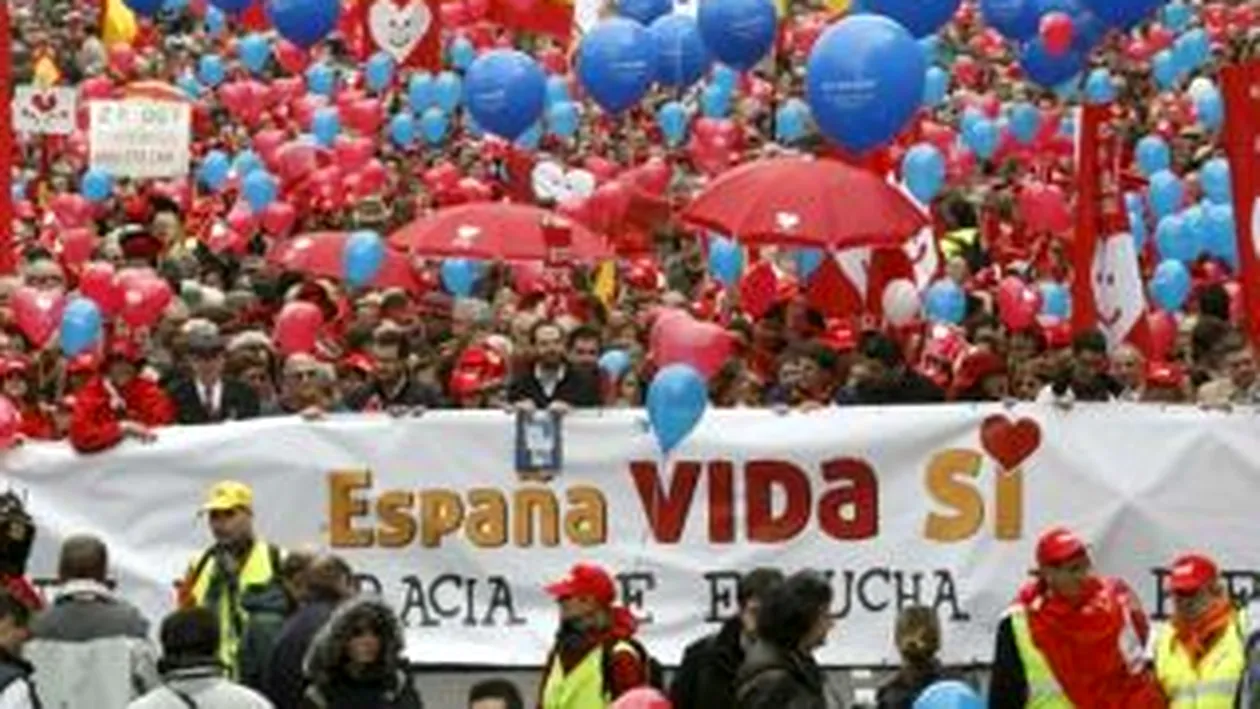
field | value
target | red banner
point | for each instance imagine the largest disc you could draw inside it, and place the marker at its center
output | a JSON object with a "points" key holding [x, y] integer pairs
{"points": [[1240, 84]]}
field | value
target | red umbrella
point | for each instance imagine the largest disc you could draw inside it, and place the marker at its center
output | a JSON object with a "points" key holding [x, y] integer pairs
{"points": [[489, 230], [806, 202], [320, 254]]}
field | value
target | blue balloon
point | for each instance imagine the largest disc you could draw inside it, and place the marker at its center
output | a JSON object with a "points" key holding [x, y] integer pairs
{"points": [[614, 363], [1209, 108], [807, 261], [530, 138], [715, 102], [983, 138], [216, 21], [672, 119], [923, 171], [378, 73], [420, 92], [80, 326], [362, 258], [1214, 177], [402, 130], [931, 46], [1173, 239], [97, 185], [189, 85], [970, 117], [1137, 227], [321, 79], [1046, 68], [1176, 15], [246, 162], [1014, 19], [1153, 155], [1122, 14], [1195, 47], [462, 53], [949, 694], [563, 119], [232, 7], [935, 86], [922, 17], [681, 57], [1196, 228], [726, 260], [1025, 122], [459, 276], [214, 170], [645, 12], [791, 121], [147, 8], [447, 91], [725, 77], [504, 90], [1056, 300], [210, 70], [676, 400], [616, 63], [304, 22], [254, 51], [1098, 87], [1221, 240], [739, 33], [1089, 32], [1170, 286], [259, 188], [1166, 193], [557, 89], [434, 123], [945, 302], [1165, 70], [326, 125], [863, 99], [174, 5]]}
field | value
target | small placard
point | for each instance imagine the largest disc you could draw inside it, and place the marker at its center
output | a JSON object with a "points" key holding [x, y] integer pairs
{"points": [[539, 446]]}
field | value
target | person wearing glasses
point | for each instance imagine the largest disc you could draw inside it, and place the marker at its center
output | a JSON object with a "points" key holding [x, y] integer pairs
{"points": [[207, 396]]}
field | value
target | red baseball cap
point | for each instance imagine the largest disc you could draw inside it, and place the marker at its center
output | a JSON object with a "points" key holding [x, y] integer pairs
{"points": [[585, 580], [1057, 545], [1191, 572]]}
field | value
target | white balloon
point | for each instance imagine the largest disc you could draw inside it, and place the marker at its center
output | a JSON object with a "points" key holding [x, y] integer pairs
{"points": [[901, 302]]}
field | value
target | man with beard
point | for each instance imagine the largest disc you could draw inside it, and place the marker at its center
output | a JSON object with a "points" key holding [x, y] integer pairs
{"points": [[553, 381], [596, 658], [1072, 638]]}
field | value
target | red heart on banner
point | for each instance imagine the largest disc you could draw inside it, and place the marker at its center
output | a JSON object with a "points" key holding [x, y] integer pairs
{"points": [[1010, 444], [38, 313]]}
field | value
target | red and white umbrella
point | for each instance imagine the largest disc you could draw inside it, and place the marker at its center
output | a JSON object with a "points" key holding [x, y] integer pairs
{"points": [[490, 230]]}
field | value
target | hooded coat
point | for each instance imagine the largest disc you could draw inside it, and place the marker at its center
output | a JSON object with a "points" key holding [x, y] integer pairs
{"points": [[335, 685]]}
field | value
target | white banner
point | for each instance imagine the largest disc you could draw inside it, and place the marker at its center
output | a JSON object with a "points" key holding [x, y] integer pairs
{"points": [[935, 505], [139, 138], [45, 110]]}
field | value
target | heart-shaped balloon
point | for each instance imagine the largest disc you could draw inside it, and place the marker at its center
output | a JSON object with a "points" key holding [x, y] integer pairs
{"points": [[97, 282], [267, 142], [242, 219], [442, 177], [222, 239], [353, 154], [77, 245], [1018, 304], [144, 299], [291, 57], [678, 338], [364, 116], [297, 327], [71, 210], [296, 160], [279, 218], [37, 313]]}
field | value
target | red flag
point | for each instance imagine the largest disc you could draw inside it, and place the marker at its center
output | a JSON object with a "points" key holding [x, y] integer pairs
{"points": [[410, 31], [829, 292], [1240, 84], [1088, 214]]}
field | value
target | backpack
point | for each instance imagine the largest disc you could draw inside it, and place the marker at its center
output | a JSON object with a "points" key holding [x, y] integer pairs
{"points": [[654, 670]]}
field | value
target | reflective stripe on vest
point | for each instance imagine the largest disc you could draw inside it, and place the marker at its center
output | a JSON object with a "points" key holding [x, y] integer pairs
{"points": [[1214, 682], [256, 571], [1044, 691], [582, 688]]}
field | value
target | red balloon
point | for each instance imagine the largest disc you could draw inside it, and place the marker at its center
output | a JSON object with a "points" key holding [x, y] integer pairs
{"points": [[677, 337], [37, 313], [278, 218], [477, 9], [122, 59], [267, 142], [10, 423], [373, 178], [364, 116], [144, 298], [1057, 32], [453, 14], [642, 698], [296, 160], [1018, 304], [77, 245], [97, 284], [297, 327], [242, 219], [353, 154], [442, 177], [1162, 328], [71, 210], [223, 240], [291, 57]]}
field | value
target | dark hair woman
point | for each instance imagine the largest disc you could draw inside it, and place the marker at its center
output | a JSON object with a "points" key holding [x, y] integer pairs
{"points": [[356, 662], [779, 671]]}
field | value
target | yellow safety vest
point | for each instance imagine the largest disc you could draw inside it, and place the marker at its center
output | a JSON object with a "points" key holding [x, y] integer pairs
{"points": [[582, 688], [1044, 690], [256, 571], [1214, 682]]}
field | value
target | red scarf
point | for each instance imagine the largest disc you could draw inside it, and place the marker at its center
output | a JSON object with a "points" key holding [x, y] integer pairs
{"points": [[1082, 642]]}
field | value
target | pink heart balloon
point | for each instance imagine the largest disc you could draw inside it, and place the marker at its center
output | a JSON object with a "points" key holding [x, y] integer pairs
{"points": [[37, 313], [279, 218], [678, 338], [97, 283]]}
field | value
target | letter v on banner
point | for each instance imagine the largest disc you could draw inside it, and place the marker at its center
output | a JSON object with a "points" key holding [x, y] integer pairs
{"points": [[1240, 85]]}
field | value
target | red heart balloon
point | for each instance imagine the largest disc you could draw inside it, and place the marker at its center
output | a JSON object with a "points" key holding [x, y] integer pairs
{"points": [[97, 284], [71, 210], [353, 154], [442, 177], [1018, 304], [677, 337], [291, 57], [297, 327], [223, 240], [77, 245], [296, 160], [453, 14], [278, 218], [364, 116], [267, 142], [242, 219], [37, 313], [144, 300]]}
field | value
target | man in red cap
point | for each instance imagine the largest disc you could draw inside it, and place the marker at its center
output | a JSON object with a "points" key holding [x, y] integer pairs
{"points": [[596, 658], [118, 403], [1072, 638], [1201, 656]]}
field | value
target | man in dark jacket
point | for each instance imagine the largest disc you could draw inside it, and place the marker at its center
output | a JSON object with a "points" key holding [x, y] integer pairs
{"points": [[779, 671], [16, 689], [207, 396], [328, 582], [881, 377], [392, 388], [553, 379], [706, 677]]}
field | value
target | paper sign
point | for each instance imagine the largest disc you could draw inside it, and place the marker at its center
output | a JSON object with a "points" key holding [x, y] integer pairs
{"points": [[39, 110], [140, 139]]}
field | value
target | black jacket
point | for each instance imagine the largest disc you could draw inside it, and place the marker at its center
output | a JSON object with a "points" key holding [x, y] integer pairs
{"points": [[413, 395], [1008, 686], [706, 677], [904, 688], [238, 402], [343, 694], [284, 680], [771, 678], [579, 388]]}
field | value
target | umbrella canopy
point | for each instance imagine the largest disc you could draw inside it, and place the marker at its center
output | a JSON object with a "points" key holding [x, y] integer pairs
{"points": [[492, 230], [319, 254], [806, 202]]}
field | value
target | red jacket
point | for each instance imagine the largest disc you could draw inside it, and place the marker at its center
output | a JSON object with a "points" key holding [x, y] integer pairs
{"points": [[96, 423], [37, 425]]}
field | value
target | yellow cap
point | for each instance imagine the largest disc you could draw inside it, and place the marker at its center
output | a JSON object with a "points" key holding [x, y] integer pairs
{"points": [[228, 495]]}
